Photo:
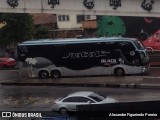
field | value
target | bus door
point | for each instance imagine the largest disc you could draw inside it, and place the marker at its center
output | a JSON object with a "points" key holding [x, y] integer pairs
{"points": [[129, 55], [108, 59], [106, 70]]}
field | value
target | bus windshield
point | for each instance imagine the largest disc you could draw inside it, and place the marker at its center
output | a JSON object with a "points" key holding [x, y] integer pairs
{"points": [[139, 45]]}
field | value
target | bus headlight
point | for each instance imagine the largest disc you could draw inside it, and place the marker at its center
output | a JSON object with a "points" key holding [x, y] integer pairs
{"points": [[144, 69]]}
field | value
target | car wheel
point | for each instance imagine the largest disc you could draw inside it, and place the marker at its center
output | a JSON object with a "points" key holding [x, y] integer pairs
{"points": [[119, 72], [43, 74], [63, 111], [55, 74]]}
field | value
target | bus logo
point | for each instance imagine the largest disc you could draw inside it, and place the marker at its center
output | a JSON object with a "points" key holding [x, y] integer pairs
{"points": [[87, 54]]}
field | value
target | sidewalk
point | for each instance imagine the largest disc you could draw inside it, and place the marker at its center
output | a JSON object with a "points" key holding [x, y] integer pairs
{"points": [[138, 82]]}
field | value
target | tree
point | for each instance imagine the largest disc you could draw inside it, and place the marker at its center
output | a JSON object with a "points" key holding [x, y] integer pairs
{"points": [[19, 27], [41, 31]]}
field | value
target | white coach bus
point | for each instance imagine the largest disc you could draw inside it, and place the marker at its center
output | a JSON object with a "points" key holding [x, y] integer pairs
{"points": [[86, 56]]}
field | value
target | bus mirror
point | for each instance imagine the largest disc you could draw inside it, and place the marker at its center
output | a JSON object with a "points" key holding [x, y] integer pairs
{"points": [[150, 50]]}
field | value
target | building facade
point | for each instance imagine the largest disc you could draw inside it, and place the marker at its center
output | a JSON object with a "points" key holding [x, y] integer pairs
{"points": [[69, 26]]}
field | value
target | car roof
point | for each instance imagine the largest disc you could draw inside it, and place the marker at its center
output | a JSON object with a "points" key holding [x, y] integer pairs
{"points": [[81, 93], [6, 58]]}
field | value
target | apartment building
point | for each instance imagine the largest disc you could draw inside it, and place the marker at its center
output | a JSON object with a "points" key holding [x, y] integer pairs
{"points": [[66, 26], [69, 26]]}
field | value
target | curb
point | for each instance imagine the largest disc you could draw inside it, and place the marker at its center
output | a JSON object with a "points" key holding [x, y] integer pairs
{"points": [[104, 85], [60, 84], [149, 86], [15, 68]]}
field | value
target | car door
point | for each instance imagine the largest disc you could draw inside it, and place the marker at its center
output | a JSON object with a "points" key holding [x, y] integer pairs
{"points": [[70, 103], [82, 100]]}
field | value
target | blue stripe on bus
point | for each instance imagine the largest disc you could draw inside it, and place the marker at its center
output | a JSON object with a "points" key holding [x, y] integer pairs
{"points": [[73, 41]]}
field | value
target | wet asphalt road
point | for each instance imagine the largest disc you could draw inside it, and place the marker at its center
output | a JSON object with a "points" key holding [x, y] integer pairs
{"points": [[40, 98], [7, 75], [35, 97]]}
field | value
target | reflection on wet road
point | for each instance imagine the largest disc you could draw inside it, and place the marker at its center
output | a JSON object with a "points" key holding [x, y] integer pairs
{"points": [[43, 96], [23, 102]]}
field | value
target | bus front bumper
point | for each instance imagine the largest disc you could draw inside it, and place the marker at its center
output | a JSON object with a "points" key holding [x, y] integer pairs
{"points": [[145, 69]]}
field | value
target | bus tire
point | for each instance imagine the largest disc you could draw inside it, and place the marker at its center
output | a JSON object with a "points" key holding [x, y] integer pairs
{"points": [[119, 72], [55, 74], [43, 74]]}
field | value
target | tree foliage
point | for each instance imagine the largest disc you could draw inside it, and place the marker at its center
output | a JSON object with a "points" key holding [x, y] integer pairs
{"points": [[41, 31], [19, 27]]}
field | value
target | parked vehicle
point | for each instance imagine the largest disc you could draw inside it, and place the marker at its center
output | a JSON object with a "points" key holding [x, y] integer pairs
{"points": [[153, 41], [6, 62], [69, 102]]}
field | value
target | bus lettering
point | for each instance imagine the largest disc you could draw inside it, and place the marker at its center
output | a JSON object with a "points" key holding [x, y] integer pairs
{"points": [[87, 54], [84, 54], [111, 61]]}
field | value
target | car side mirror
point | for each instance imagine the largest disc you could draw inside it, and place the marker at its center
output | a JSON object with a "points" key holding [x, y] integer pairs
{"points": [[89, 102]]}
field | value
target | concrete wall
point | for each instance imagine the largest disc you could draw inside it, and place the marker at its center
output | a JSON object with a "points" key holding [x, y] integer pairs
{"points": [[101, 7]]}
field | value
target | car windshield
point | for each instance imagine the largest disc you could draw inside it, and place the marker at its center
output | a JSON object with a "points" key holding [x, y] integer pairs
{"points": [[61, 98], [97, 97]]}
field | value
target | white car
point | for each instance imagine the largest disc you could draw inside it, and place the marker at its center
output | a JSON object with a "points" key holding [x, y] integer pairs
{"points": [[69, 102]]}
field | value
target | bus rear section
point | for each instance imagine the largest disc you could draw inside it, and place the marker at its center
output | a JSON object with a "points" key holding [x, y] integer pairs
{"points": [[83, 57]]}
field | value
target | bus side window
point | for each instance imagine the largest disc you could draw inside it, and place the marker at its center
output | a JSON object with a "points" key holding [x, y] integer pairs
{"points": [[128, 50], [127, 46]]}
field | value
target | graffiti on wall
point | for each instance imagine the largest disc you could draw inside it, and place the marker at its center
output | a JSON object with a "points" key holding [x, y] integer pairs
{"points": [[111, 26], [53, 3], [147, 5], [12, 3], [115, 4], [145, 29], [88, 4]]}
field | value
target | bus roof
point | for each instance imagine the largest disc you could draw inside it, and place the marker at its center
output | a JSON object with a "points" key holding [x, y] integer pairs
{"points": [[74, 40]]}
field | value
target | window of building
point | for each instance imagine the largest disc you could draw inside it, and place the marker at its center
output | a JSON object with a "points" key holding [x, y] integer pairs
{"points": [[63, 17], [80, 18]]}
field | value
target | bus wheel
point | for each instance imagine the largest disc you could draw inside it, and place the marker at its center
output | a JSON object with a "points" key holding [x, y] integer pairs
{"points": [[55, 74], [43, 74], [119, 72]]}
